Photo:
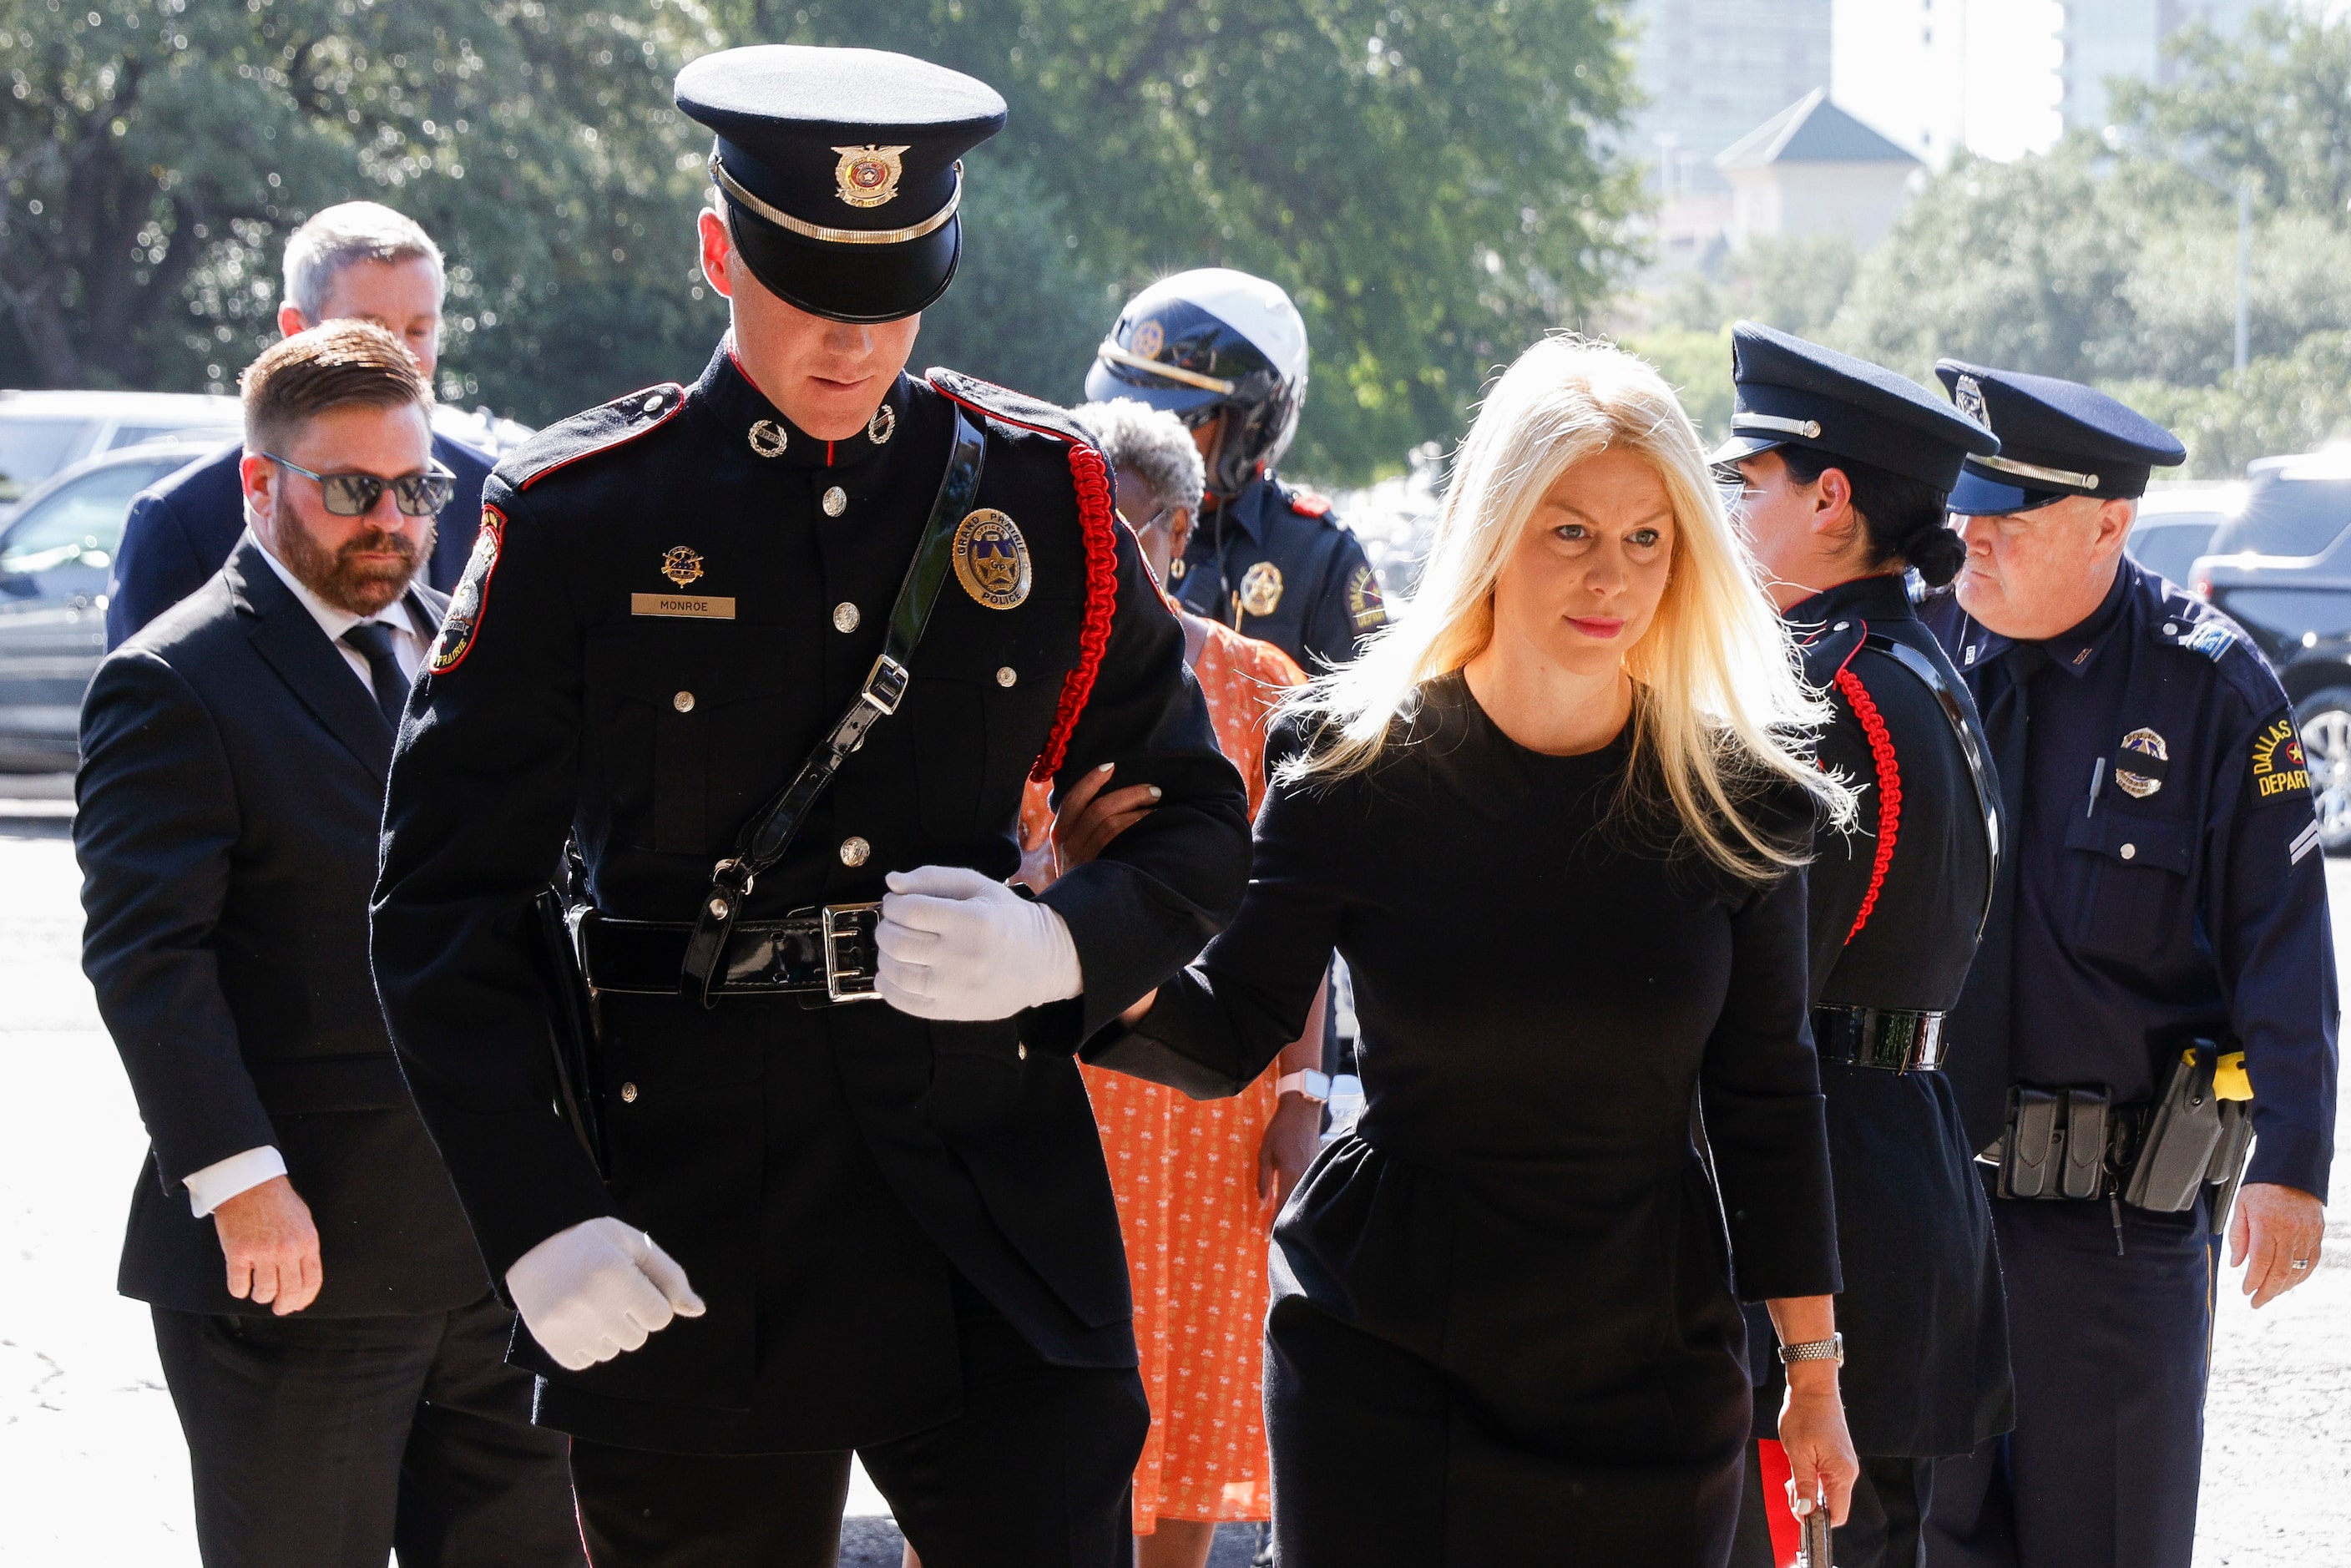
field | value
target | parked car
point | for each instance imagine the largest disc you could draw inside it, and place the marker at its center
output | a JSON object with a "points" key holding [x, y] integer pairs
{"points": [[53, 556], [2281, 569], [2176, 526], [42, 433]]}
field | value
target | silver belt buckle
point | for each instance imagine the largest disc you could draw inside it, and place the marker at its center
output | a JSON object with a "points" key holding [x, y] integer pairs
{"points": [[843, 923]]}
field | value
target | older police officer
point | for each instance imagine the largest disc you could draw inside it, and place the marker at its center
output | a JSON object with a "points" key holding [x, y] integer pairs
{"points": [[2160, 953], [879, 1227]]}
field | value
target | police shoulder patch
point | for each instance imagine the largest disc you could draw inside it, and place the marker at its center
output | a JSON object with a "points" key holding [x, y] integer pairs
{"points": [[2279, 769], [1365, 607], [590, 431], [463, 620]]}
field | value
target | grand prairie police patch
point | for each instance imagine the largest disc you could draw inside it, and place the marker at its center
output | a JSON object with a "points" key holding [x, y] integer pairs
{"points": [[464, 620], [2280, 769], [991, 559]]}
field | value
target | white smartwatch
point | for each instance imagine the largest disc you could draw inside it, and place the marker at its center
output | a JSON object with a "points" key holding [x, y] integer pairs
{"points": [[1315, 1086]]}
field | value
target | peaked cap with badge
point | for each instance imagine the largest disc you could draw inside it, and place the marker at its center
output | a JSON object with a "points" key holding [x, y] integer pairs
{"points": [[2057, 438], [841, 169], [678, 597], [1791, 393]]}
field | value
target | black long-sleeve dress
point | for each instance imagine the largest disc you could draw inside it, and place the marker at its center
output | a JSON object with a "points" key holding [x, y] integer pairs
{"points": [[1504, 1325]]}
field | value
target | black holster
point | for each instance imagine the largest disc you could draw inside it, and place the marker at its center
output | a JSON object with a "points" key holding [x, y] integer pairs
{"points": [[570, 1017], [2076, 1143], [2194, 1138]]}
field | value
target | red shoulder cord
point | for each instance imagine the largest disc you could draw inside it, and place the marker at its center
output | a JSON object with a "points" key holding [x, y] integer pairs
{"points": [[1889, 784], [1091, 475]]}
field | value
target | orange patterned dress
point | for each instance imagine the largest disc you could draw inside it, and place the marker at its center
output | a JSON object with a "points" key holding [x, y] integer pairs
{"points": [[1184, 1172]]}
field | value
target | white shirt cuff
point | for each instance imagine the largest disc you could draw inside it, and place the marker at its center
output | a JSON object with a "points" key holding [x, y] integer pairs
{"points": [[224, 1179]]}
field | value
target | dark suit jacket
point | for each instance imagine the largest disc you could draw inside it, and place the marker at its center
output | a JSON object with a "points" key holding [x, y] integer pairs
{"points": [[232, 781], [182, 526]]}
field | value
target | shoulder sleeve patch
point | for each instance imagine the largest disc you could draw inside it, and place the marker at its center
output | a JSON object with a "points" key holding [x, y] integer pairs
{"points": [[1365, 607], [586, 433], [2280, 771], [1016, 409], [462, 620]]}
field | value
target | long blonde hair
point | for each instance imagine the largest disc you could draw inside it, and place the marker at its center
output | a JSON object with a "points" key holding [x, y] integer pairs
{"points": [[1724, 709]]}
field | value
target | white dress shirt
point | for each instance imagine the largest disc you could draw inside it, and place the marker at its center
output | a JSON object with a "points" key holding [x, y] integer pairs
{"points": [[224, 1179]]}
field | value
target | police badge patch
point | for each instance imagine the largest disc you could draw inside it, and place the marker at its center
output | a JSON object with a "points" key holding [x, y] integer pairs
{"points": [[991, 559], [464, 620], [2280, 768], [2141, 779], [868, 176], [1261, 591], [1969, 396]]}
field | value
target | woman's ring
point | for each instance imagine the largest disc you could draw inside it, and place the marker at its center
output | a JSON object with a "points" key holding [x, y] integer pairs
{"points": [[2299, 1264]]}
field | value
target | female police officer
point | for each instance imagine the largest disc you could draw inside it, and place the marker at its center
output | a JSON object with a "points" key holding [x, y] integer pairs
{"points": [[894, 1217], [1844, 468]]}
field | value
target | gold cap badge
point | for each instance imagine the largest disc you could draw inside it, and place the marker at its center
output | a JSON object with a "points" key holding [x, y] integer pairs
{"points": [[1149, 339], [681, 565], [991, 559], [868, 176]]}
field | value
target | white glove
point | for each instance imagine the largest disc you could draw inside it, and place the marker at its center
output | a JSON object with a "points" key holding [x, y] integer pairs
{"points": [[596, 1290], [957, 946]]}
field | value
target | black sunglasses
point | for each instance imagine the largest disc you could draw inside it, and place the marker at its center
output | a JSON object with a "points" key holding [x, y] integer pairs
{"points": [[354, 495]]}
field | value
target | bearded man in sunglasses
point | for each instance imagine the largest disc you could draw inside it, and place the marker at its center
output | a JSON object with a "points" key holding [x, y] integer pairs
{"points": [[324, 1318]]}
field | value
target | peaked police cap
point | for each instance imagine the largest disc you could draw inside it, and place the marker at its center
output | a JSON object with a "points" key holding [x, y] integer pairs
{"points": [[1790, 392], [2057, 438], [840, 170]]}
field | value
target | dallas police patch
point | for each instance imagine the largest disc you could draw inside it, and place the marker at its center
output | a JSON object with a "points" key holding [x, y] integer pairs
{"points": [[991, 559], [2280, 770], [464, 620], [1364, 606]]}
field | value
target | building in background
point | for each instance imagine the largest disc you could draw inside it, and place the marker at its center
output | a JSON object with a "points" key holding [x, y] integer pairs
{"points": [[1902, 67], [1814, 169], [1712, 71], [2105, 38]]}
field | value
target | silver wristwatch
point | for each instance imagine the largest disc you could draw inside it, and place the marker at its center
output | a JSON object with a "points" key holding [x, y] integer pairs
{"points": [[1315, 1086], [1829, 1349]]}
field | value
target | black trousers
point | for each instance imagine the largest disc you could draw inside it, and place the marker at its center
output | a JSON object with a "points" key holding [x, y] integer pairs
{"points": [[1884, 1529], [1033, 1474], [2110, 1354], [333, 1442]]}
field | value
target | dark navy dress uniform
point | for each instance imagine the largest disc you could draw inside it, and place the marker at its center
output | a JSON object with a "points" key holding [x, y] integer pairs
{"points": [[904, 1230], [1894, 909], [1274, 563], [2169, 889]]}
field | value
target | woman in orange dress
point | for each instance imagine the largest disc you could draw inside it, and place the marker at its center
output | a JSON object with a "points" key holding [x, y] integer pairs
{"points": [[1197, 1181]]}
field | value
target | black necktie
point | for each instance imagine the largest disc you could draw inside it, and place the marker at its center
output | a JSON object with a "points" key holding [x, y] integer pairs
{"points": [[374, 639], [1979, 1068]]}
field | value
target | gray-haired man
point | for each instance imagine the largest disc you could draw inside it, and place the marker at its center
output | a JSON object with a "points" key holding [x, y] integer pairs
{"points": [[356, 260]]}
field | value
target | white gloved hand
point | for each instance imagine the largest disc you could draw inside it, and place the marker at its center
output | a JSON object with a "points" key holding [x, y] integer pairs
{"points": [[596, 1290], [957, 946]]}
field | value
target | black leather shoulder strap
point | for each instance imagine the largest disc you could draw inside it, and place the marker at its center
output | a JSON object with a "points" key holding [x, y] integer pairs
{"points": [[766, 837], [1960, 713]]}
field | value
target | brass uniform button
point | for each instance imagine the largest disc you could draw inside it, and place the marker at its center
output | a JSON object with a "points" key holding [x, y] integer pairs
{"points": [[2130, 851], [1007, 675], [683, 701], [628, 1094], [836, 501], [854, 852], [845, 617]]}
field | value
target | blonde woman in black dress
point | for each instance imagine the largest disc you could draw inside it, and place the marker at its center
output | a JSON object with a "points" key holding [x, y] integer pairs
{"points": [[1556, 822]]}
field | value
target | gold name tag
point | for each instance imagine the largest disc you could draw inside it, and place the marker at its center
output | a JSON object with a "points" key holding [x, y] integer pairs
{"points": [[682, 604]]}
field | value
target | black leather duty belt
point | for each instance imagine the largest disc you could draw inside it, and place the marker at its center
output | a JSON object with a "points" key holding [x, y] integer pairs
{"points": [[1894, 1038], [823, 956]]}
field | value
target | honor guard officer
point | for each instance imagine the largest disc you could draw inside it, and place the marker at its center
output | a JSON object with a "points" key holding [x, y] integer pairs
{"points": [[1843, 469], [2158, 953], [1225, 352], [839, 1136]]}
